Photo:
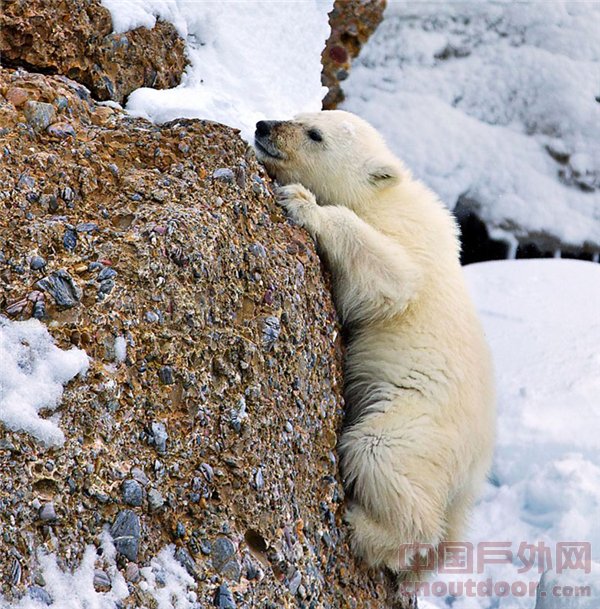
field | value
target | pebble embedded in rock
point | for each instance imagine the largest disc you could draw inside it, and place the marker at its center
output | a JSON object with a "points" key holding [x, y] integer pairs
{"points": [[47, 512], [159, 437], [62, 288], [232, 570], [86, 227], [270, 331], [125, 532], [132, 492], [132, 572], [101, 581], [36, 263], [61, 130], [70, 239], [37, 593], [151, 317], [258, 250], [140, 476], [67, 194], [106, 273], [39, 115], [165, 374], [39, 310], [223, 598], [155, 500], [185, 559], [17, 96], [224, 175], [25, 181], [294, 582], [222, 551]]}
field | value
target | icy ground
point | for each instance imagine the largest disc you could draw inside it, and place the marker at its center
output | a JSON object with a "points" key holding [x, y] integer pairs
{"points": [[495, 102], [33, 371], [541, 319], [249, 60]]}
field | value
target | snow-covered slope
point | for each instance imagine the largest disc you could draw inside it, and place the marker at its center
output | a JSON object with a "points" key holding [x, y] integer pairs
{"points": [[248, 60], [495, 102], [541, 319]]}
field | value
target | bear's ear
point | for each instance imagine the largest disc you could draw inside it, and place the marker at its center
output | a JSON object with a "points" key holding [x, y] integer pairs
{"points": [[383, 176]]}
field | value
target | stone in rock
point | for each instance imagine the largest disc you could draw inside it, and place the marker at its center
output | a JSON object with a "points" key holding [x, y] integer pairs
{"points": [[270, 331], [184, 558], [36, 263], [101, 581], [47, 512], [159, 437], [125, 532], [155, 500], [39, 115], [62, 288], [86, 227], [224, 174], [223, 598], [61, 130], [165, 374], [37, 593], [70, 239], [132, 492], [132, 572], [222, 552]]}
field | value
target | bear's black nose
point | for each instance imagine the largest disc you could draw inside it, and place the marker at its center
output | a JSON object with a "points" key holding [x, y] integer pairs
{"points": [[263, 128]]}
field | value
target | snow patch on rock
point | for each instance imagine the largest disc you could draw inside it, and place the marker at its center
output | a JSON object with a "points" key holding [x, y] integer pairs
{"points": [[33, 371]]}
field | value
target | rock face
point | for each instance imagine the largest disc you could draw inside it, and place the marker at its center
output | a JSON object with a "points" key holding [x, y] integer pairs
{"points": [[352, 23], [75, 38], [208, 417]]}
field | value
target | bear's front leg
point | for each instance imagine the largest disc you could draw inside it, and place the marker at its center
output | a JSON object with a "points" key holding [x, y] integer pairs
{"points": [[374, 276]]}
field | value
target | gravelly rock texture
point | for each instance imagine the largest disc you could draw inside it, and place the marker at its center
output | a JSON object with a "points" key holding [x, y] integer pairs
{"points": [[224, 407], [352, 24], [75, 38]]}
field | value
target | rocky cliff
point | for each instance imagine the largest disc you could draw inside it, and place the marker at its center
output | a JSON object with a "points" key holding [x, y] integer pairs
{"points": [[209, 415], [352, 23], [75, 38]]}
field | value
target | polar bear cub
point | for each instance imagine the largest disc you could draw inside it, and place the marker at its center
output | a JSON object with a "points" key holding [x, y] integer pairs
{"points": [[419, 431]]}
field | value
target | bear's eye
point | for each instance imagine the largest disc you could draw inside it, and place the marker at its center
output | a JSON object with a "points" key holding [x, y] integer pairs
{"points": [[315, 135]]}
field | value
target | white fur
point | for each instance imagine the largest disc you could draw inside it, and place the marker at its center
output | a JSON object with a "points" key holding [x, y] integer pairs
{"points": [[419, 434]]}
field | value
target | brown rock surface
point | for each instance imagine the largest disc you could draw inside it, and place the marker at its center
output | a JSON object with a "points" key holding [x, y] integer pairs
{"points": [[352, 24], [75, 38], [226, 408]]}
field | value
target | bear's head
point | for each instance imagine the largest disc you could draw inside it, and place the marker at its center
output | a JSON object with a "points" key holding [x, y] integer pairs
{"points": [[335, 154]]}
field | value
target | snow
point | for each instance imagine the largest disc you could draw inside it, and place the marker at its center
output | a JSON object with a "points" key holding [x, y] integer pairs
{"points": [[473, 95], [248, 60], [166, 581], [33, 371], [120, 349], [541, 319]]}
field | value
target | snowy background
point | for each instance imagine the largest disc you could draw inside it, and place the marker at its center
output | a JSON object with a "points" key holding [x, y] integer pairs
{"points": [[493, 103], [496, 104]]}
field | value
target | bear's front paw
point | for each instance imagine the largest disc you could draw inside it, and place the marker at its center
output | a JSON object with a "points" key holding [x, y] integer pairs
{"points": [[300, 205]]}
